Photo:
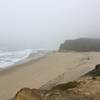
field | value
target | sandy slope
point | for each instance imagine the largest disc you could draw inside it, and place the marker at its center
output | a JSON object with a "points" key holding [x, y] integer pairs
{"points": [[68, 66]]}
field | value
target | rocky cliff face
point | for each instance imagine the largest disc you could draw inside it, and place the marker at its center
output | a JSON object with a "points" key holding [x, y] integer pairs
{"points": [[87, 88], [82, 44]]}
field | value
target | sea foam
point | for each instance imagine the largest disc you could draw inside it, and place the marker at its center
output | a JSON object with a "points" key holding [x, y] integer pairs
{"points": [[10, 57]]}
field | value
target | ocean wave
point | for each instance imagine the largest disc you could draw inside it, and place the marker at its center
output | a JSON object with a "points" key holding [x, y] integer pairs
{"points": [[10, 57]]}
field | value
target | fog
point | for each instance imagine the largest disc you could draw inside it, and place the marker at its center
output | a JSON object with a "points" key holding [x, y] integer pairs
{"points": [[44, 24]]}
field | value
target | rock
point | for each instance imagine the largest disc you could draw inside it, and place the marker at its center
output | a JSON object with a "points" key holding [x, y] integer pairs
{"points": [[97, 70], [97, 67], [28, 94], [97, 97], [66, 86], [55, 95], [84, 89]]}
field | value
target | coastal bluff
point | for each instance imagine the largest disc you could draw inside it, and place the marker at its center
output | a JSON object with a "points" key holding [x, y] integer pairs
{"points": [[86, 88], [81, 45]]}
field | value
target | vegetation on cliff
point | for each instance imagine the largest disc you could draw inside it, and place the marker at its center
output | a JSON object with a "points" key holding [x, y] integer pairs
{"points": [[81, 44]]}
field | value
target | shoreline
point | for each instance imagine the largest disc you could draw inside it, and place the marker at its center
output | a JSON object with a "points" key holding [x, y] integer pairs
{"points": [[21, 63], [35, 74]]}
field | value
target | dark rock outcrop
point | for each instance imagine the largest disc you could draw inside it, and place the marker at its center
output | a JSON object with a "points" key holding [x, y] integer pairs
{"points": [[94, 73]]}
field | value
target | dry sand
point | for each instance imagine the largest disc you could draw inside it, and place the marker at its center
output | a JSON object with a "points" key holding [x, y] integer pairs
{"points": [[62, 67]]}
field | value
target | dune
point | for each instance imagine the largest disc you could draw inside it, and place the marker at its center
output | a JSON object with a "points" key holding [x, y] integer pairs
{"points": [[54, 69]]}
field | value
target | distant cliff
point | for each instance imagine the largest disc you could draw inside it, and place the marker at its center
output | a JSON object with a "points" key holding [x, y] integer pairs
{"points": [[81, 44]]}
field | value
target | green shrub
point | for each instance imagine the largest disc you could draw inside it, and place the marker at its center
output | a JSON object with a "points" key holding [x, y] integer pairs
{"points": [[97, 74]]}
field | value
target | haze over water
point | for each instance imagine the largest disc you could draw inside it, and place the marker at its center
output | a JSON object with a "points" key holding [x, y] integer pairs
{"points": [[46, 23]]}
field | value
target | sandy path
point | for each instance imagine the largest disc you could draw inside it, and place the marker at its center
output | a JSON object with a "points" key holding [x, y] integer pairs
{"points": [[68, 66]]}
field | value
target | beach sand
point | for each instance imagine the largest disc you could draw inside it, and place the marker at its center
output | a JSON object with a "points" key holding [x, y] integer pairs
{"points": [[53, 69]]}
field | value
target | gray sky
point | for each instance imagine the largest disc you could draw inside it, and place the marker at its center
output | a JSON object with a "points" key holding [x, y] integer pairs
{"points": [[47, 23]]}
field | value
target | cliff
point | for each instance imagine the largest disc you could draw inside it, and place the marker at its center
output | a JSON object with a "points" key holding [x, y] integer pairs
{"points": [[81, 45], [86, 88]]}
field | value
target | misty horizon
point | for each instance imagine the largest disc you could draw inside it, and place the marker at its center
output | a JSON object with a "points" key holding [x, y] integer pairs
{"points": [[46, 24]]}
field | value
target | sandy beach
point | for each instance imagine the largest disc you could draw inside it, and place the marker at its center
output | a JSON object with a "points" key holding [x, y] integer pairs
{"points": [[53, 69]]}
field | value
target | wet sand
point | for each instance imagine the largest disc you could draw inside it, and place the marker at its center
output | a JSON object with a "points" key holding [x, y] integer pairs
{"points": [[58, 67]]}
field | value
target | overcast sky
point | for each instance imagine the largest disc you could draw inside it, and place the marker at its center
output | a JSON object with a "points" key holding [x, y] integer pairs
{"points": [[47, 23]]}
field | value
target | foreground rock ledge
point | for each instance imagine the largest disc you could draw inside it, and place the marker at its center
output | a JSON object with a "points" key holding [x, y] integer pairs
{"points": [[87, 88], [84, 89]]}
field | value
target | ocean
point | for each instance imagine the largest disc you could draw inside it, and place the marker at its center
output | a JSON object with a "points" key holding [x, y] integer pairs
{"points": [[11, 57]]}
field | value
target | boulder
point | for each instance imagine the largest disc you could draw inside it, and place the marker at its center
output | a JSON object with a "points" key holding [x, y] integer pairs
{"points": [[28, 94]]}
